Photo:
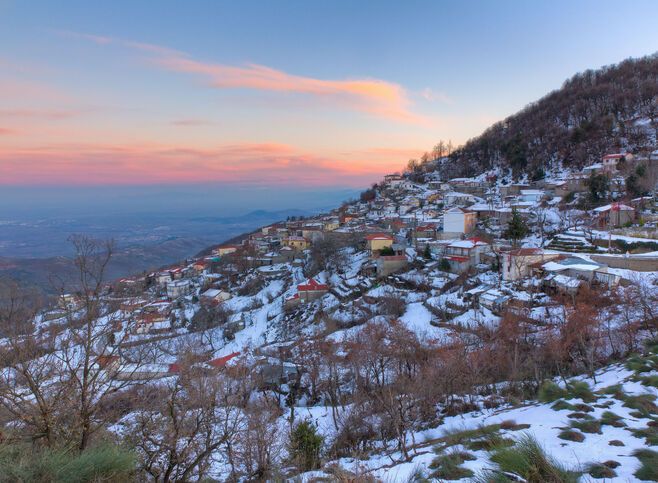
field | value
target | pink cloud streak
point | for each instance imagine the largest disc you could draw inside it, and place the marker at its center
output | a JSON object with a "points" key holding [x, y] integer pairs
{"points": [[265, 163], [373, 96]]}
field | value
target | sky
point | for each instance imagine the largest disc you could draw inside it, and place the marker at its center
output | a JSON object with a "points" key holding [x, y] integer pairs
{"points": [[279, 93]]}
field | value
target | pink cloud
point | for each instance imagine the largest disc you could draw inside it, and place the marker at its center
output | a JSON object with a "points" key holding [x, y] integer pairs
{"points": [[6, 132], [373, 96], [264, 163], [45, 114], [191, 122]]}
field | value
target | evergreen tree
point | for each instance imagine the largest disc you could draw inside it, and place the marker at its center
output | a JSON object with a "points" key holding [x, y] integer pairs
{"points": [[427, 253], [516, 228], [599, 185], [305, 445]]}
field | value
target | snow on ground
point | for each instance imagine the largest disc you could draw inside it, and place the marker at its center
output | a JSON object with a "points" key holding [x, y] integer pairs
{"points": [[417, 319], [544, 423]]}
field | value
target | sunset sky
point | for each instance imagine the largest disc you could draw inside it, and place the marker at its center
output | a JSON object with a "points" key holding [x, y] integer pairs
{"points": [[279, 92]]}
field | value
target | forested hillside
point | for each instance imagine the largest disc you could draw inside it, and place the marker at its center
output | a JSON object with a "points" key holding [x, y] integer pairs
{"points": [[595, 112]]}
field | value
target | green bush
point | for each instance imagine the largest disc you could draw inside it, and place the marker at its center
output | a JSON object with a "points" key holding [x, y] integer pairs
{"points": [[649, 380], [104, 463], [616, 391], [587, 426], [581, 390], [305, 445], [649, 461], [448, 466], [489, 443], [638, 363], [571, 435], [650, 434], [549, 392], [562, 405], [599, 471], [511, 425], [609, 418], [642, 403], [579, 415], [528, 460]]}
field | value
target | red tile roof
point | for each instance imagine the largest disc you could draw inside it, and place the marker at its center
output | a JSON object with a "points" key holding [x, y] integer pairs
{"points": [[221, 361], [311, 285], [379, 236], [458, 259]]}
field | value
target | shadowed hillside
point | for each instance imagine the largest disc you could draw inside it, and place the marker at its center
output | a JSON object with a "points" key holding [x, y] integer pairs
{"points": [[595, 112]]}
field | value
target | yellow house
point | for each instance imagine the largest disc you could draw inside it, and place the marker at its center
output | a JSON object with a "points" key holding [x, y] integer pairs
{"points": [[225, 250], [296, 242], [331, 225], [379, 241]]}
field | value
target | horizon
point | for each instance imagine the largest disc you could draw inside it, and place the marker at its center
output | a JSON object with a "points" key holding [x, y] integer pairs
{"points": [[227, 94]]}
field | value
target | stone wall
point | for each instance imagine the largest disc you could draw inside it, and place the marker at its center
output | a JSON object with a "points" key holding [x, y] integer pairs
{"points": [[637, 263]]}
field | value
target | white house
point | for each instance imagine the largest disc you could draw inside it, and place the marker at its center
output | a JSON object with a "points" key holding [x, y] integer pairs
{"points": [[462, 255], [456, 220], [178, 288], [534, 196]]}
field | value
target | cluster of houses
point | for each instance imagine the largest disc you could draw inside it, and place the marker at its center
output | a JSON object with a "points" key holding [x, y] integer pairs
{"points": [[407, 225]]}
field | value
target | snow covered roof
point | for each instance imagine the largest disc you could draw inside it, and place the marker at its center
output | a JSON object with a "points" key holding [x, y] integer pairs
{"points": [[469, 243], [574, 263], [614, 207], [211, 293]]}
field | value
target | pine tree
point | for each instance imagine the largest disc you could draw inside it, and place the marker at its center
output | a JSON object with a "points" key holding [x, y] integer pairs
{"points": [[427, 253], [305, 445], [516, 228]]}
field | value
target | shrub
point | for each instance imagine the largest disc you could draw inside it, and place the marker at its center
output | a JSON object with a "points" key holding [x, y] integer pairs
{"points": [[103, 463], [549, 392], [444, 265], [571, 435], [649, 461], [490, 442], [528, 460], [386, 252], [455, 437], [587, 426], [649, 380], [649, 433], [562, 405], [616, 442], [611, 419], [583, 408], [643, 403], [511, 425], [616, 391], [638, 363], [598, 470], [305, 445], [448, 466], [579, 416], [581, 390]]}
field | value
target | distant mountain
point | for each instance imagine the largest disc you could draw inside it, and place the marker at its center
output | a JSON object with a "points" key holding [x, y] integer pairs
{"points": [[593, 113], [254, 216]]}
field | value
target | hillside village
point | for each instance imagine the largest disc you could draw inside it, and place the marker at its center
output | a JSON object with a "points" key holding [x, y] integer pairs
{"points": [[449, 262], [447, 241]]}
